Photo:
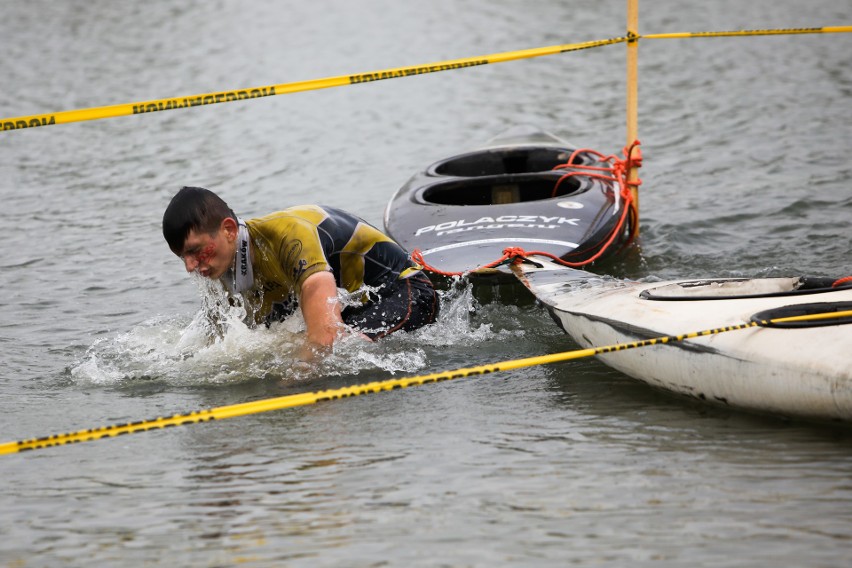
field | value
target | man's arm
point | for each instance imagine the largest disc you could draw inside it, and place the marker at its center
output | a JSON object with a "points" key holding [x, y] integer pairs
{"points": [[321, 308]]}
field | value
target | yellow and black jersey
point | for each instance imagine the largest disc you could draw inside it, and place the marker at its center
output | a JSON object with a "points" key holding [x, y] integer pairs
{"points": [[290, 245]]}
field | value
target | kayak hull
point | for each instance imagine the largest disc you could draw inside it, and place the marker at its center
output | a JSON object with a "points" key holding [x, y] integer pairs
{"points": [[803, 371]]}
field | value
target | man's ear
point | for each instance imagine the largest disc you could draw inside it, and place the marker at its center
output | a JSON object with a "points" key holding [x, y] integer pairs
{"points": [[230, 227]]}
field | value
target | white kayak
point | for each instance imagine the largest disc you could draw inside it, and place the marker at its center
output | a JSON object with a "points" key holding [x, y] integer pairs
{"points": [[802, 370]]}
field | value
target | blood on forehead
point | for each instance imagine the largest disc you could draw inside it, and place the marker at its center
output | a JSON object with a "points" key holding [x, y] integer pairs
{"points": [[207, 252]]}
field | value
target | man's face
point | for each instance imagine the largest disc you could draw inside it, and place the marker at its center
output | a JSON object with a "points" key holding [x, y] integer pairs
{"points": [[210, 254]]}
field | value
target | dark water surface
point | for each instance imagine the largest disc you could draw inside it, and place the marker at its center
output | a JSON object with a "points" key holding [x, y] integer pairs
{"points": [[747, 172]]}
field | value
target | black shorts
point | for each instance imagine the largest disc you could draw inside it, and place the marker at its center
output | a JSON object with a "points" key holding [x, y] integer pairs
{"points": [[406, 304]]}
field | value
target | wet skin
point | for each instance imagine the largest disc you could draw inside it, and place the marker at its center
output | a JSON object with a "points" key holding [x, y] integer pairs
{"points": [[212, 254]]}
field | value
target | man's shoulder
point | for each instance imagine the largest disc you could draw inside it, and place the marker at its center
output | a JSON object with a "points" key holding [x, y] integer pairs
{"points": [[302, 217], [311, 213], [314, 215]]}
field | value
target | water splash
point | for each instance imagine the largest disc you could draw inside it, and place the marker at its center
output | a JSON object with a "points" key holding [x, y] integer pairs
{"points": [[216, 347]]}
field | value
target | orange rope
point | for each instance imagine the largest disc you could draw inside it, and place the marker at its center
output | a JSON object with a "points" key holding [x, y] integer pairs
{"points": [[617, 170], [841, 281], [417, 257]]}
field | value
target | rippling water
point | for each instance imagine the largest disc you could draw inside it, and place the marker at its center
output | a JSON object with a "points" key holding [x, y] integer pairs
{"points": [[747, 172]]}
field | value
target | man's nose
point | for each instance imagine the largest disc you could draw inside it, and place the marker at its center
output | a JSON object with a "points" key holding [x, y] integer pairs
{"points": [[190, 263]]}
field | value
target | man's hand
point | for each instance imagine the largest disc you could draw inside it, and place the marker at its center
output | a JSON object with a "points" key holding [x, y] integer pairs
{"points": [[321, 308]]}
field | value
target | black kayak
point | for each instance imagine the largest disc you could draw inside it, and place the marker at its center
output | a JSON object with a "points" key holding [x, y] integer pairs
{"points": [[462, 212]]}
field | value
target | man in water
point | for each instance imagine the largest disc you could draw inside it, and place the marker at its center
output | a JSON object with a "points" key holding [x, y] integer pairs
{"points": [[301, 256]]}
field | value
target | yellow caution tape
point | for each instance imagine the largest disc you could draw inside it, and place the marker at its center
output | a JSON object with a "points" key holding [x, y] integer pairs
{"points": [[304, 399], [96, 113], [783, 31], [156, 105]]}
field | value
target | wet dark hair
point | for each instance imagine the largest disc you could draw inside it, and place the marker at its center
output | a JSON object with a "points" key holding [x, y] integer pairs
{"points": [[193, 208]]}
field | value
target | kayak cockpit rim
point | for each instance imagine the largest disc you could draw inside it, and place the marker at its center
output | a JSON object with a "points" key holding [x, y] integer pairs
{"points": [[733, 288], [507, 160], [501, 189]]}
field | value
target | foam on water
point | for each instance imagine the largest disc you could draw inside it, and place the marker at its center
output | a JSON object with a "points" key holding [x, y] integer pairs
{"points": [[215, 347]]}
